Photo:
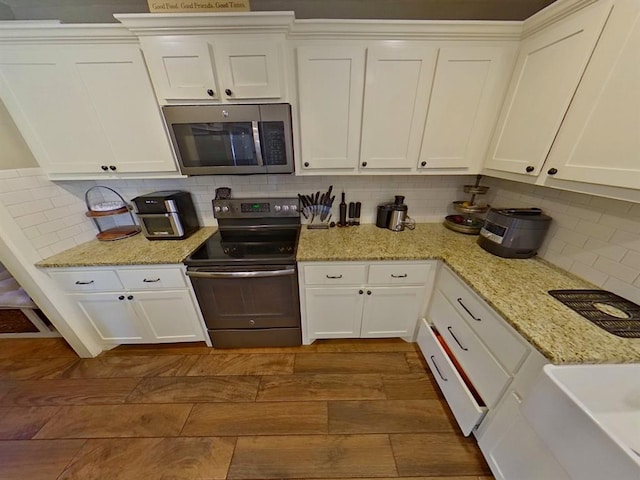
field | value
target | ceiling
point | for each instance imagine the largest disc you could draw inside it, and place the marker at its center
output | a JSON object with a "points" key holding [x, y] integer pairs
{"points": [[101, 11]]}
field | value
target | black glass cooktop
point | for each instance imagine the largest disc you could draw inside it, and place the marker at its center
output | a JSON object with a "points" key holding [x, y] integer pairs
{"points": [[607, 310], [275, 246]]}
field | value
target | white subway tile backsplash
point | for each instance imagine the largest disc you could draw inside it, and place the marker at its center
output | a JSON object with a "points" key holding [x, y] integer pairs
{"points": [[16, 198], [595, 230], [608, 250], [626, 240], [632, 260], [588, 273], [29, 207], [621, 222], [615, 269], [580, 255], [571, 237], [630, 292], [31, 220]]}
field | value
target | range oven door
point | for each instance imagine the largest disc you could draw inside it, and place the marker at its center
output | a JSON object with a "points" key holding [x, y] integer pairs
{"points": [[249, 307]]}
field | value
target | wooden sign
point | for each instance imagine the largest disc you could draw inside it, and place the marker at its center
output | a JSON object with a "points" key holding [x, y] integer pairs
{"points": [[182, 6]]}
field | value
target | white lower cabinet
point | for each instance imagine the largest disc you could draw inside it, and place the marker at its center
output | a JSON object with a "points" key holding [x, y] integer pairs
{"points": [[509, 443], [134, 305], [363, 299], [484, 370]]}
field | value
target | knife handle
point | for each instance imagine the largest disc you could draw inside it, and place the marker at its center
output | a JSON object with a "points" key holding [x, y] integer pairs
{"points": [[356, 220]]}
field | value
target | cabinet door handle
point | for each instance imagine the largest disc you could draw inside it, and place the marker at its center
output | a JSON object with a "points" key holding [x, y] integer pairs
{"points": [[399, 276], [468, 311], [456, 339], [423, 164], [104, 167], [121, 297], [552, 171], [130, 297], [433, 360], [211, 93], [530, 168], [368, 292], [228, 92], [112, 168], [78, 282], [360, 292], [334, 276], [146, 280]]}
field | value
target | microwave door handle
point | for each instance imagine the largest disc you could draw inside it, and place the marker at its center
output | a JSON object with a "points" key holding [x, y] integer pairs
{"points": [[256, 143]]}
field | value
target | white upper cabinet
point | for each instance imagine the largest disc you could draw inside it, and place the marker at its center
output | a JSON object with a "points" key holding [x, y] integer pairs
{"points": [[181, 68], [467, 93], [599, 141], [330, 88], [548, 69], [397, 87], [85, 109], [224, 68]]}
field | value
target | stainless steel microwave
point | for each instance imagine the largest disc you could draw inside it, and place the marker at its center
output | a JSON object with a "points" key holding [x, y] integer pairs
{"points": [[231, 139]]}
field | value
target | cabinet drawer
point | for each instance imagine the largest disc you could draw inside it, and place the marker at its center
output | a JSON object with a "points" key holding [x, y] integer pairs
{"points": [[397, 274], [338, 274], [467, 411], [151, 279], [487, 324], [486, 374], [87, 280]]}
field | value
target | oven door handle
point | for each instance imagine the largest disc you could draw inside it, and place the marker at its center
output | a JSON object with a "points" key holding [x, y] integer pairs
{"points": [[258, 274]]}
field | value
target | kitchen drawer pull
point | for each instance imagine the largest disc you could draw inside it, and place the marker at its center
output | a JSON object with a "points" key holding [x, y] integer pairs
{"points": [[146, 280], [433, 360], [399, 276], [468, 311], [78, 282], [456, 339], [334, 276]]}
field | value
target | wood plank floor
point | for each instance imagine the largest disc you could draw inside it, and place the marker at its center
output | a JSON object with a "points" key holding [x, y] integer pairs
{"points": [[339, 409]]}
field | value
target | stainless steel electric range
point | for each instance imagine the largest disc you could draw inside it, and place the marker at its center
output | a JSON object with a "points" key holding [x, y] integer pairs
{"points": [[245, 276]]}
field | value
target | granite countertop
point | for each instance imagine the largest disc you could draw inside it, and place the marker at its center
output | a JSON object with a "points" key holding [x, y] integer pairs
{"points": [[516, 289], [136, 250]]}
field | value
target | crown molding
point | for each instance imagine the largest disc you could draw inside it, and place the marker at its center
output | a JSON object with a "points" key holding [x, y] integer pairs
{"points": [[555, 12], [407, 29], [52, 33], [145, 24]]}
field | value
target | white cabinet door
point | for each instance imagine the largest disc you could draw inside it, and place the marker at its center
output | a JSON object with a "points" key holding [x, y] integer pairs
{"points": [[330, 89], [548, 70], [44, 99], [397, 87], [599, 141], [86, 109], [467, 92], [112, 317], [170, 316], [115, 84], [518, 451], [392, 312], [249, 68], [333, 312], [181, 67]]}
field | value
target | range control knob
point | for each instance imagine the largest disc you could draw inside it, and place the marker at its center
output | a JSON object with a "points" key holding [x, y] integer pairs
{"points": [[285, 208], [225, 208], [277, 208], [216, 209], [294, 208]]}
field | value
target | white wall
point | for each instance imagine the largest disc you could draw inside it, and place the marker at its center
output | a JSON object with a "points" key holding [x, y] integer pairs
{"points": [[595, 238]]}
